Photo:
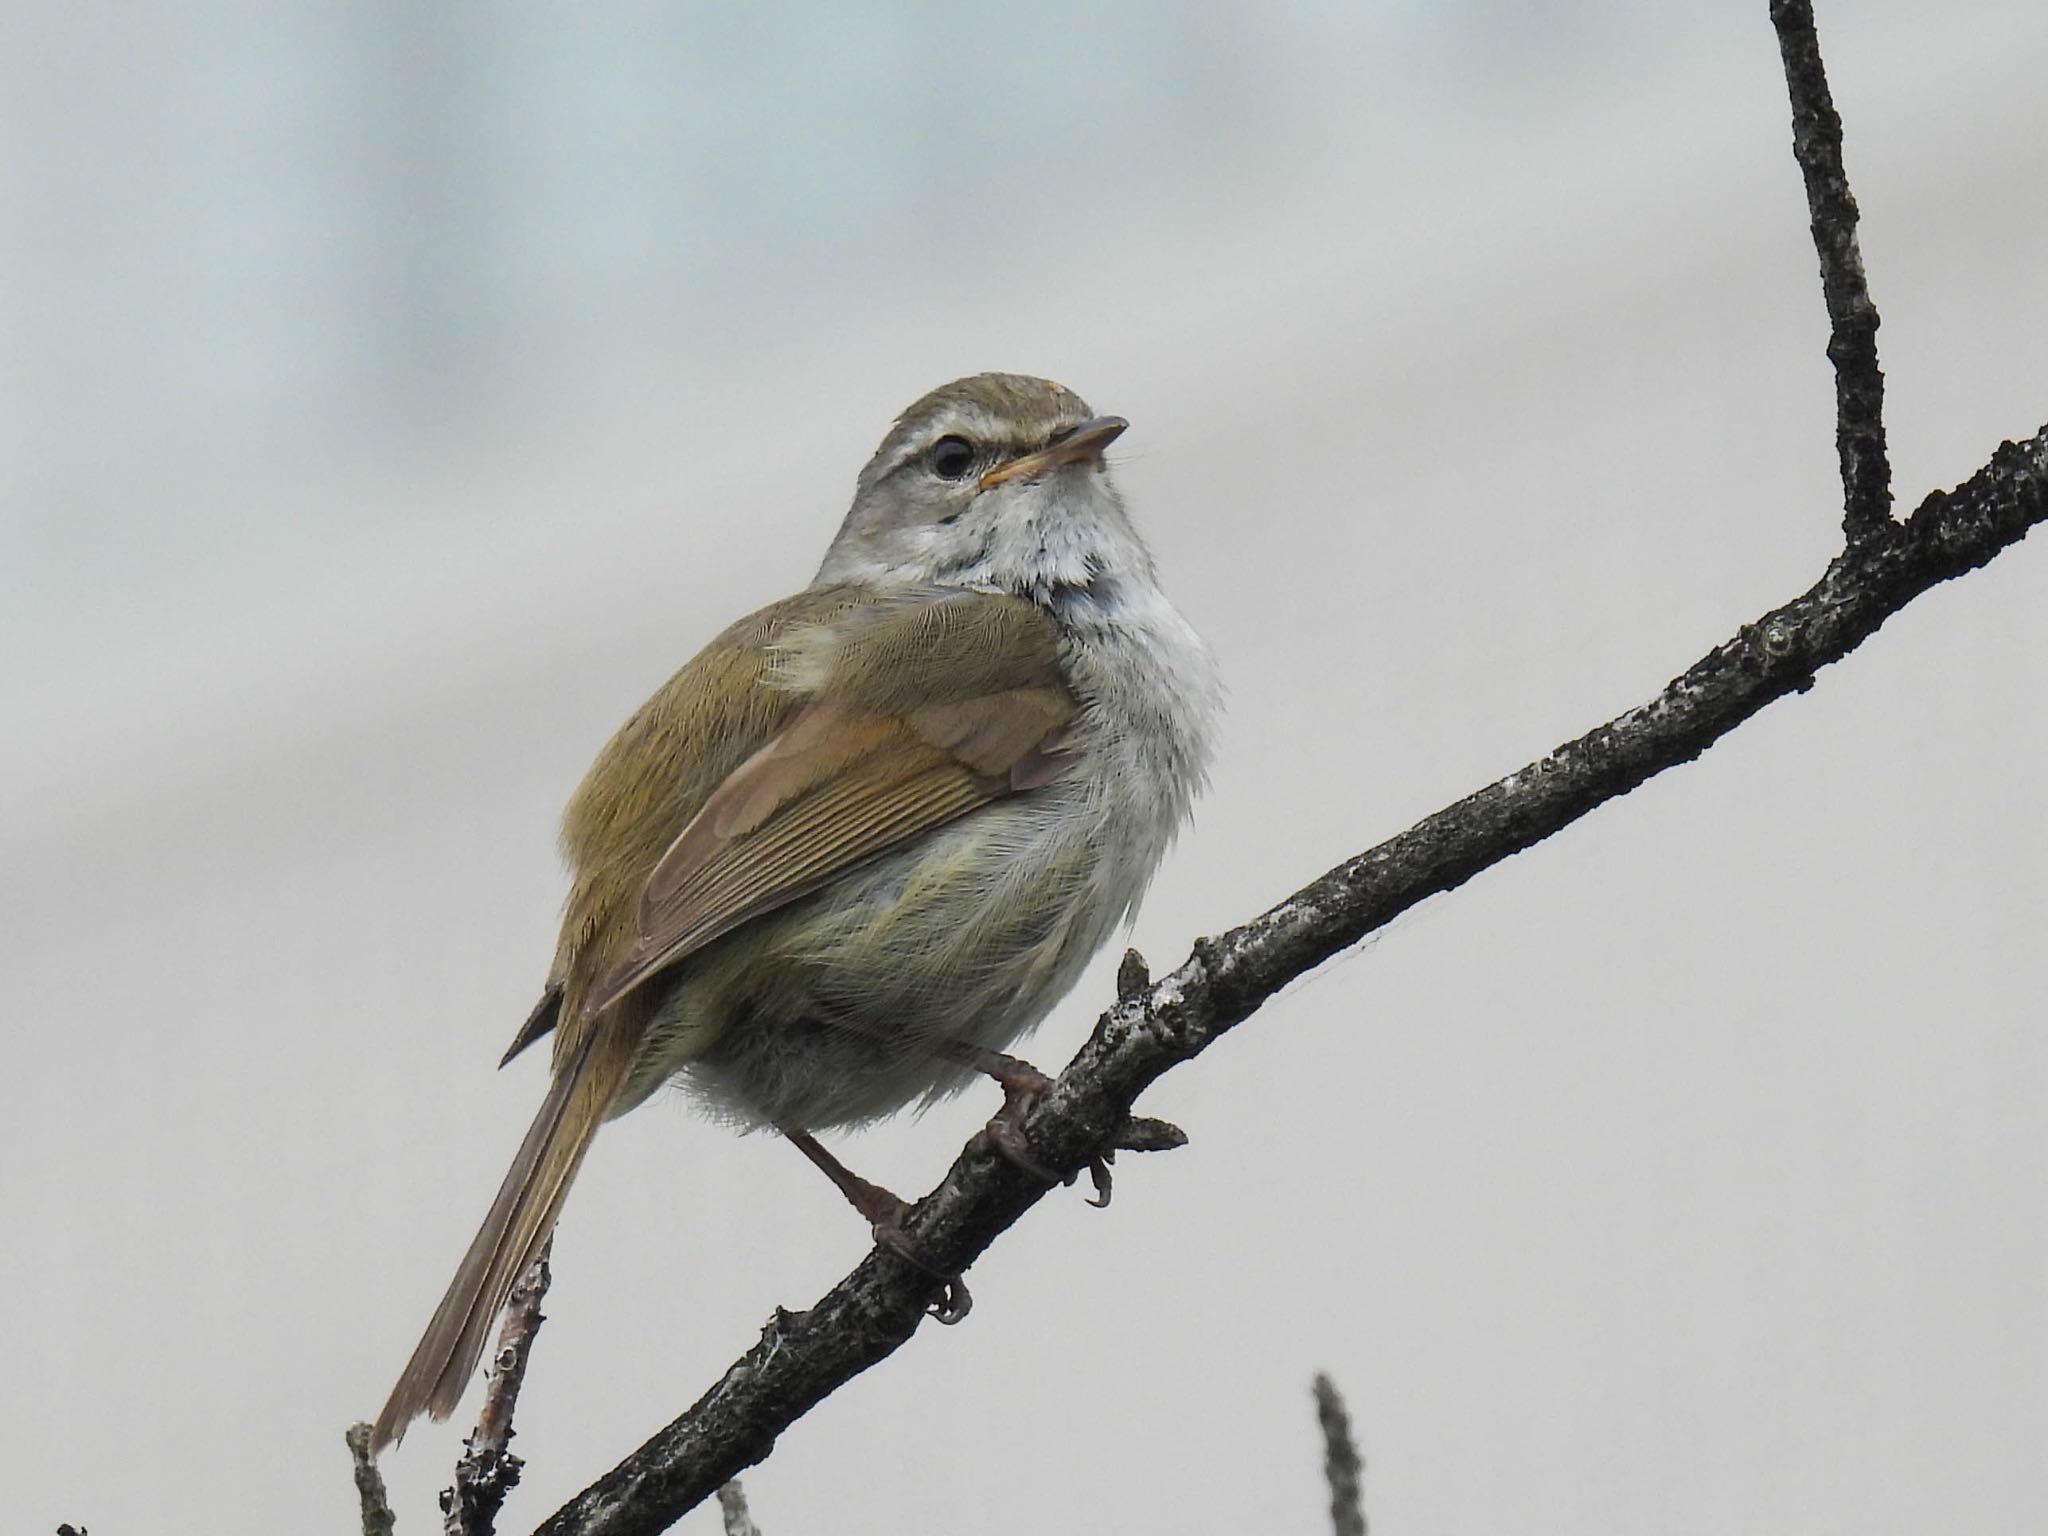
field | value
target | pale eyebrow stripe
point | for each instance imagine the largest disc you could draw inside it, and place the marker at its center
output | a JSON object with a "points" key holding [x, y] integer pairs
{"points": [[974, 426]]}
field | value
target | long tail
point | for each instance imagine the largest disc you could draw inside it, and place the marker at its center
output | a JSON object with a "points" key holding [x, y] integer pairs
{"points": [[519, 1222]]}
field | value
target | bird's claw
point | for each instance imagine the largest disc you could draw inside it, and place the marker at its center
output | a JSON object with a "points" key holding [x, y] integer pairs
{"points": [[1099, 1176], [1023, 1086], [953, 1300]]}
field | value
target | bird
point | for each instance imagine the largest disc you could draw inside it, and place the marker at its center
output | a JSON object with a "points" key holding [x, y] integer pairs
{"points": [[866, 838]]}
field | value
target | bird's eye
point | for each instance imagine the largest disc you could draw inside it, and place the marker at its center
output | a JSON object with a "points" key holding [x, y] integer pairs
{"points": [[952, 457]]}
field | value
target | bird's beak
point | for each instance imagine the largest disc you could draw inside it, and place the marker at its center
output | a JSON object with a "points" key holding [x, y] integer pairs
{"points": [[1072, 447]]}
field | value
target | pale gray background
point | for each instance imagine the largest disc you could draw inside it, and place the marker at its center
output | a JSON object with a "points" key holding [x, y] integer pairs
{"points": [[392, 396]]}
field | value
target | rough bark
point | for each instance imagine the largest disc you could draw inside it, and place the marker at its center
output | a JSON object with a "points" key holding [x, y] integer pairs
{"points": [[1852, 318], [487, 1471]]}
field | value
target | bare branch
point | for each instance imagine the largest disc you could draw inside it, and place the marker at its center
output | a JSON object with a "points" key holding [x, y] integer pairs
{"points": [[803, 1356], [732, 1505], [1852, 318], [1341, 1463], [488, 1471], [377, 1517]]}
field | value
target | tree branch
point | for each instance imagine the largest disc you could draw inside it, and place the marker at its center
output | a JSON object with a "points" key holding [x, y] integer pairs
{"points": [[804, 1356], [370, 1495], [487, 1470], [1852, 318], [732, 1505], [1341, 1463]]}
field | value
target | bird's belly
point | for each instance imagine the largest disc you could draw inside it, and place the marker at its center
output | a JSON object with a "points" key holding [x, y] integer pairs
{"points": [[854, 1001]]}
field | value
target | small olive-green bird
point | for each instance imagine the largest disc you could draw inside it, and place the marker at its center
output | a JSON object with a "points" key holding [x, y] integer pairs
{"points": [[870, 834]]}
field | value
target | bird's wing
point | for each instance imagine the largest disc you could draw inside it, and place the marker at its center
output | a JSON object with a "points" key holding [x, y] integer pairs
{"points": [[918, 711], [547, 1013]]}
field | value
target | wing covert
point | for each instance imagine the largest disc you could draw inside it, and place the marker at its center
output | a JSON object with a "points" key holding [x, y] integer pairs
{"points": [[920, 712]]}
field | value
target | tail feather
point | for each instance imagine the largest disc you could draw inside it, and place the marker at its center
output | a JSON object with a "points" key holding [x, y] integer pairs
{"points": [[520, 1219]]}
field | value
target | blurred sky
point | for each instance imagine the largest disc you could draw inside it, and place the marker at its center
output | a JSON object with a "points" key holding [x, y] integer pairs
{"points": [[390, 397]]}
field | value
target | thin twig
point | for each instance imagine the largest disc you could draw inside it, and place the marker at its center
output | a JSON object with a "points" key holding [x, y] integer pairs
{"points": [[1852, 318], [488, 1471], [377, 1517], [804, 1356], [1341, 1464], [732, 1504]]}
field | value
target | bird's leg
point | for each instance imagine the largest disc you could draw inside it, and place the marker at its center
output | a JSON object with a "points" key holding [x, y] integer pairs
{"points": [[883, 1209], [884, 1212]]}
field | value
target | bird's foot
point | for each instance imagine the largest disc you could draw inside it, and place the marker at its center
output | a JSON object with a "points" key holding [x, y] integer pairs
{"points": [[951, 1301], [884, 1211], [1023, 1086]]}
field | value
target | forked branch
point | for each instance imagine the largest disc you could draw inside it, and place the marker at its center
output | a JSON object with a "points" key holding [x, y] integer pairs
{"points": [[1852, 318], [1154, 1026], [803, 1356]]}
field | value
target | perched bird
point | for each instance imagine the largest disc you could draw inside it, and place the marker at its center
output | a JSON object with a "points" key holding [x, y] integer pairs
{"points": [[870, 834]]}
